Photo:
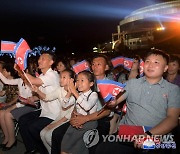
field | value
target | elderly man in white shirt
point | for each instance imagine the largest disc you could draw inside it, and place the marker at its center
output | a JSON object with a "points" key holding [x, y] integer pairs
{"points": [[32, 123]]}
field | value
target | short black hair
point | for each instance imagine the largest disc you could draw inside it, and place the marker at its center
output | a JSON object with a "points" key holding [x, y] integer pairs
{"points": [[64, 61], [10, 68], [2, 63], [174, 58], [158, 52], [90, 76], [71, 73], [51, 53], [106, 58]]}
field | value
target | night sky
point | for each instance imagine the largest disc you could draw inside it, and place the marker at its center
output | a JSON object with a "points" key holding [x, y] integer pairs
{"points": [[70, 25]]}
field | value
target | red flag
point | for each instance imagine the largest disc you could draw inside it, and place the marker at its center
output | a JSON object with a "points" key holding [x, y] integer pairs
{"points": [[118, 61], [7, 46], [21, 52], [109, 89], [132, 130], [141, 68], [128, 62], [81, 66]]}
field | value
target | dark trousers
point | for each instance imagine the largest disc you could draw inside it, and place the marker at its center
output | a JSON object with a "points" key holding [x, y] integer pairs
{"points": [[30, 126], [103, 129], [57, 137]]}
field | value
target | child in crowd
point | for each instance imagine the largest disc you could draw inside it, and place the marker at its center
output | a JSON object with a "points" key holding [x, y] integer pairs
{"points": [[63, 94], [86, 103]]}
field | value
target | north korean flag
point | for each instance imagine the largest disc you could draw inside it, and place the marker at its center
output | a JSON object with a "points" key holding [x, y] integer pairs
{"points": [[109, 89], [128, 62], [7, 46], [21, 52], [81, 66], [141, 68], [118, 61], [132, 130]]}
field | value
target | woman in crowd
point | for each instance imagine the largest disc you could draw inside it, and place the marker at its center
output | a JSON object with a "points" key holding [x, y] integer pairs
{"points": [[173, 68]]}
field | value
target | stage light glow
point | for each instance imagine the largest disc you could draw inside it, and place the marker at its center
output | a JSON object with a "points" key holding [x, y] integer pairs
{"points": [[160, 28], [80, 8]]}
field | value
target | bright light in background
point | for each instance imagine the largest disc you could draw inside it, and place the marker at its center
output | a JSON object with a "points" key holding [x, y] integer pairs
{"points": [[160, 28], [95, 49]]}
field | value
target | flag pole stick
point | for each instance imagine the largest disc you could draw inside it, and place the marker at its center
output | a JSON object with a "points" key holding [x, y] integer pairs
{"points": [[106, 105], [103, 109], [27, 78]]}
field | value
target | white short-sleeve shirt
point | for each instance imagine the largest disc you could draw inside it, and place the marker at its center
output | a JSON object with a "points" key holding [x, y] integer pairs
{"points": [[60, 93], [50, 109]]}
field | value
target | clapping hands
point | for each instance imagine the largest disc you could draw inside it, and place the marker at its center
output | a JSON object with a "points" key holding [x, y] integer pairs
{"points": [[71, 86]]}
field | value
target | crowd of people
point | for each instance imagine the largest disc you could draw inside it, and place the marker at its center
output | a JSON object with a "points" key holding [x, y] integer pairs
{"points": [[59, 106]]}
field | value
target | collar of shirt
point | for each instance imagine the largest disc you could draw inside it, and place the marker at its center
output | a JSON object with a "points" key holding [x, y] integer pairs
{"points": [[86, 94], [161, 82], [49, 70]]}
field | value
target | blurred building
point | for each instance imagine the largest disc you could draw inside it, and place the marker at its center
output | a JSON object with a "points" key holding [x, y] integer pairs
{"points": [[153, 26]]}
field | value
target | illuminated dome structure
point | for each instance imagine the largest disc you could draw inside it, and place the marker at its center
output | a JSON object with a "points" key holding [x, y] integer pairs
{"points": [[152, 26]]}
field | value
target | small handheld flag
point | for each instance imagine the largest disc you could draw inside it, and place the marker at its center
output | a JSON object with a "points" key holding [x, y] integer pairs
{"points": [[128, 63], [81, 66], [23, 76], [109, 89], [7, 46], [118, 61], [21, 52], [141, 68], [132, 130]]}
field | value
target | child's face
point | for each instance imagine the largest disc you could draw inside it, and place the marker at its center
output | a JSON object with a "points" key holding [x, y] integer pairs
{"points": [[173, 67], [64, 78], [155, 66], [83, 83], [5, 73], [60, 67]]}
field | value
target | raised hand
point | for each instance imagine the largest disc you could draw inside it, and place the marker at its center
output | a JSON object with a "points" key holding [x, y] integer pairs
{"points": [[34, 88], [72, 87], [112, 103]]}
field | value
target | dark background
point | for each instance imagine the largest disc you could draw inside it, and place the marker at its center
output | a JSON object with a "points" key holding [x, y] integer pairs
{"points": [[70, 26]]}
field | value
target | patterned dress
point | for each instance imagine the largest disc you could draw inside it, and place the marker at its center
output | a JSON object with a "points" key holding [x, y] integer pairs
{"points": [[11, 92]]}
